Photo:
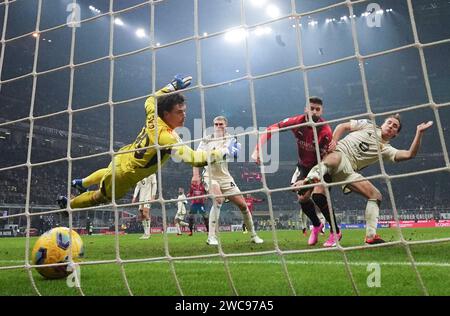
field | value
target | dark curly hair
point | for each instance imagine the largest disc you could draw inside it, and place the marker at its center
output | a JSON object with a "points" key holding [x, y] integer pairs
{"points": [[166, 103]]}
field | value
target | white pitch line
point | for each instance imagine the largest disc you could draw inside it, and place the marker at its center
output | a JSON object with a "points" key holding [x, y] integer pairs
{"points": [[303, 262], [295, 262]]}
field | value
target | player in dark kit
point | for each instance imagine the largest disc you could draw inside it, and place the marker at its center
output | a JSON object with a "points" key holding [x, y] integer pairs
{"points": [[198, 205], [250, 201], [307, 159]]}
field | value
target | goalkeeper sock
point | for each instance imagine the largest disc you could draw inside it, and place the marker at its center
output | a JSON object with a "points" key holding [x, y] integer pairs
{"points": [[322, 204], [372, 212], [214, 219], [309, 210], [248, 221]]}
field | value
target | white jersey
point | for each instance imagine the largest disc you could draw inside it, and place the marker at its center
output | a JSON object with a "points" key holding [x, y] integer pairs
{"points": [[146, 188], [218, 170], [181, 205], [360, 145]]}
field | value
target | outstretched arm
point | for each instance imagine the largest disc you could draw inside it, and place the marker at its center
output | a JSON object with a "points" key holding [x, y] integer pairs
{"points": [[273, 128], [198, 158], [262, 140], [179, 82], [340, 130], [135, 193], [415, 145]]}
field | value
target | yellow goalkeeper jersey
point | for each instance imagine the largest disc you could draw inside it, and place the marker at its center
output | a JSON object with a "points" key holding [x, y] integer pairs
{"points": [[147, 157]]}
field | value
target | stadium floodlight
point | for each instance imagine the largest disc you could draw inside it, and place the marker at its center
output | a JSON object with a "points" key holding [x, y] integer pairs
{"points": [[313, 23], [205, 34], [119, 22], [258, 3], [273, 11], [94, 9], [344, 18], [365, 14], [35, 34], [380, 11], [236, 35], [158, 44], [140, 33]]}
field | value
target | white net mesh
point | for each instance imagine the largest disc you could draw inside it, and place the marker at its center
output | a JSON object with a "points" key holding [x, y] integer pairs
{"points": [[196, 47]]}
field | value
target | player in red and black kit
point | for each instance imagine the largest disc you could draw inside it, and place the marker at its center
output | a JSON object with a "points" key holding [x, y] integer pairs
{"points": [[198, 205], [307, 159], [250, 201]]}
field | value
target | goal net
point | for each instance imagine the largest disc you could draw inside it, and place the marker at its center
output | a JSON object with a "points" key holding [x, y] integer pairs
{"points": [[74, 77]]}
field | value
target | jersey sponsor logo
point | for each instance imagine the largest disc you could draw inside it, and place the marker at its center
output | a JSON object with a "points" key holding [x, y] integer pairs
{"points": [[364, 146], [306, 145]]}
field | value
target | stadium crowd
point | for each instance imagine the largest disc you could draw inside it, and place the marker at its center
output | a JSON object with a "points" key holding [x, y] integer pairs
{"points": [[412, 195]]}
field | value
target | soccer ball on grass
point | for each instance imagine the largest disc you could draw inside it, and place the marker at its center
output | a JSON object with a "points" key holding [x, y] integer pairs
{"points": [[53, 247]]}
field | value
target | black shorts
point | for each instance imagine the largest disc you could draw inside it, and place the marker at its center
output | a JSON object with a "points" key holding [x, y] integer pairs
{"points": [[301, 172]]}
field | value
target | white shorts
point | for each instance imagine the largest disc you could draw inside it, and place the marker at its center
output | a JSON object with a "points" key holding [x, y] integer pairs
{"points": [[180, 216], [345, 172], [226, 185], [146, 194]]}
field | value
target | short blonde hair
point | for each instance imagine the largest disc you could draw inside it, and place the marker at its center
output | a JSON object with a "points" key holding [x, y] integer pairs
{"points": [[221, 118]]}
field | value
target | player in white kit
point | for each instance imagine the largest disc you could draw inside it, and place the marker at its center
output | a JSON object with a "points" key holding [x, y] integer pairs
{"points": [[181, 211], [359, 150], [218, 181], [146, 190]]}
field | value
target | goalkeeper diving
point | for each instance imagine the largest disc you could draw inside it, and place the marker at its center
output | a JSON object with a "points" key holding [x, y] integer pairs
{"points": [[139, 159]]}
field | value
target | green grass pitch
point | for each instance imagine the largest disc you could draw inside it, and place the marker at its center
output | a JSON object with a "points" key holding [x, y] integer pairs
{"points": [[320, 273]]}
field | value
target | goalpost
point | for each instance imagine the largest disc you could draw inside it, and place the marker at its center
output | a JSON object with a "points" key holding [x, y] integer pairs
{"points": [[295, 15]]}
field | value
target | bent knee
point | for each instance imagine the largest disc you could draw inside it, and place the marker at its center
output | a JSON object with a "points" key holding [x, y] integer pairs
{"points": [[100, 198], [376, 195], [243, 207], [304, 198], [332, 160]]}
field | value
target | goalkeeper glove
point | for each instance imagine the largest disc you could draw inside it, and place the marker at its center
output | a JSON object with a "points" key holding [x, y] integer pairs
{"points": [[179, 82], [233, 148]]}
